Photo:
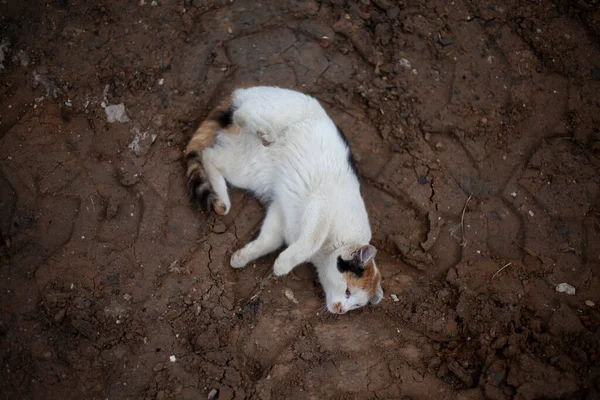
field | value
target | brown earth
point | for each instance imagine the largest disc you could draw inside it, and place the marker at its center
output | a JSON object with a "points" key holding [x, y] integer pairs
{"points": [[476, 126]]}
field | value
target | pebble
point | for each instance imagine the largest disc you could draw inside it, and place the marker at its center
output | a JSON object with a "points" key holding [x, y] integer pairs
{"points": [[590, 303], [565, 288], [219, 228], [403, 62], [112, 208], [59, 316], [172, 358], [116, 113], [393, 12], [212, 394], [158, 367], [289, 294], [446, 41], [395, 298]]}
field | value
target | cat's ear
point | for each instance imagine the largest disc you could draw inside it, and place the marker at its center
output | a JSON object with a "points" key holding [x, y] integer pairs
{"points": [[363, 255], [378, 295]]}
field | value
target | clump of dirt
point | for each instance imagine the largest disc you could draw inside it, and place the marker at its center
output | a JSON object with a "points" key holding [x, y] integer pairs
{"points": [[475, 128]]}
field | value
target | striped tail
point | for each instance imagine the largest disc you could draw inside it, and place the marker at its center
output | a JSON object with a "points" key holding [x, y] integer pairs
{"points": [[201, 191]]}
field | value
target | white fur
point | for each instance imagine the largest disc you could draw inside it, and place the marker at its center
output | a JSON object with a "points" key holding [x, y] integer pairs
{"points": [[290, 154]]}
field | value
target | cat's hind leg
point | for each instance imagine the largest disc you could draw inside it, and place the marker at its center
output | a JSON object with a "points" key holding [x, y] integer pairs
{"points": [[269, 239], [247, 118]]}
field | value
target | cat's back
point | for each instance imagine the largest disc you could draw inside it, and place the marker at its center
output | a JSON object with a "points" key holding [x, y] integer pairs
{"points": [[272, 96]]}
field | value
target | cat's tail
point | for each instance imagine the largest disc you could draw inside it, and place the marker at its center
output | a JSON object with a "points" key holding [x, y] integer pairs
{"points": [[201, 190]]}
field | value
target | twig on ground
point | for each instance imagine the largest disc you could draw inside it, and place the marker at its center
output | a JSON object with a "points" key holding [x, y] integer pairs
{"points": [[261, 285], [462, 221], [500, 270]]}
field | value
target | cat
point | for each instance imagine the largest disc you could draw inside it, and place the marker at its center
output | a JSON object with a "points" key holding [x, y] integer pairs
{"points": [[282, 146]]}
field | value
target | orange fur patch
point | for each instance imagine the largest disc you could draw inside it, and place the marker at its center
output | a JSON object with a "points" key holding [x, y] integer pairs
{"points": [[367, 282], [206, 134], [337, 307]]}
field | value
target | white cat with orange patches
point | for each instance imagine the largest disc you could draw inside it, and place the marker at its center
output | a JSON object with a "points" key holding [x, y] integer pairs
{"points": [[282, 146]]}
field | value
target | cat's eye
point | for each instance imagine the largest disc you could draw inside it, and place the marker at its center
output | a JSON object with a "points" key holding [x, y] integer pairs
{"points": [[348, 293]]}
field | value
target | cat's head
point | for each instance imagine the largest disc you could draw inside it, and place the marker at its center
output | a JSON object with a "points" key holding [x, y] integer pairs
{"points": [[360, 282]]}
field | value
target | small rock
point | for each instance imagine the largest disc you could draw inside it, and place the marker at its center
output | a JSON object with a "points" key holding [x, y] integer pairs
{"points": [[385, 131], [496, 373], [404, 63], [84, 328], [460, 373], [446, 41], [141, 141], [158, 120], [60, 315], [212, 394], [565, 288], [443, 39], [393, 12], [116, 113], [129, 180], [158, 367], [289, 294], [160, 395], [394, 298], [226, 393], [3, 46], [172, 358], [435, 225], [324, 34], [219, 228], [440, 146], [23, 58], [590, 303], [427, 136], [112, 208], [384, 4], [411, 255], [565, 321]]}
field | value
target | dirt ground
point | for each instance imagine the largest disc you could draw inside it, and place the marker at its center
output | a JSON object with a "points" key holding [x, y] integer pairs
{"points": [[476, 126]]}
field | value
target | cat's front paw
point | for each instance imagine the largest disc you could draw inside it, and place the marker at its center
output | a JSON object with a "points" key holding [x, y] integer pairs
{"points": [[238, 260], [281, 267]]}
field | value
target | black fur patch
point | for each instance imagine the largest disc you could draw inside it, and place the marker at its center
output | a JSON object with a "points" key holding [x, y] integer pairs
{"points": [[351, 159], [350, 266], [224, 118], [191, 155], [201, 193]]}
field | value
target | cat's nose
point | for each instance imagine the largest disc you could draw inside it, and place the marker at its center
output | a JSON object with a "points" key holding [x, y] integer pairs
{"points": [[336, 308]]}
